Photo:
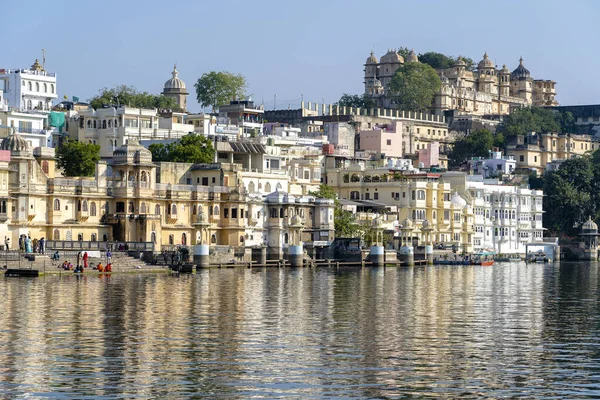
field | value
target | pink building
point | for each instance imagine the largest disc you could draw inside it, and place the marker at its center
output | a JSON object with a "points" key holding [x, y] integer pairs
{"points": [[384, 139], [430, 156]]}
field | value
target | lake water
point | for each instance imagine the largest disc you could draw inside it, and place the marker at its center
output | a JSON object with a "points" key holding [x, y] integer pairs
{"points": [[511, 330]]}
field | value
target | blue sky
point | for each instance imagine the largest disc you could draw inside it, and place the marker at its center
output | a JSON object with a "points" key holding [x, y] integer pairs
{"points": [[314, 48]]}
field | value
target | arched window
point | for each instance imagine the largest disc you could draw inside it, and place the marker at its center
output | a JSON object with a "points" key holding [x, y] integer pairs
{"points": [[143, 208], [110, 123], [153, 237], [199, 210], [213, 239], [45, 88], [85, 206], [56, 205], [80, 237], [3, 207], [157, 209], [94, 124], [116, 124], [89, 123], [93, 209], [286, 238], [94, 237], [29, 105], [216, 212], [171, 239], [278, 186], [251, 187], [242, 239], [37, 86], [105, 238], [52, 88], [194, 209], [56, 234], [183, 239], [103, 124], [144, 176], [268, 187], [79, 205], [131, 209], [29, 86], [45, 166], [106, 208], [174, 209]]}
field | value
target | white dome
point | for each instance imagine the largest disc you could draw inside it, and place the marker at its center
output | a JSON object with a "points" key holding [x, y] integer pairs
{"points": [[458, 201], [174, 82]]}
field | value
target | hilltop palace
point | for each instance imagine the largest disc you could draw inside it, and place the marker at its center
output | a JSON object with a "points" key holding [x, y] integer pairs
{"points": [[487, 90]]}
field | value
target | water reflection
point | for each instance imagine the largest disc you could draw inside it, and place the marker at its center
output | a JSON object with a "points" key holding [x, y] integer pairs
{"points": [[455, 331]]}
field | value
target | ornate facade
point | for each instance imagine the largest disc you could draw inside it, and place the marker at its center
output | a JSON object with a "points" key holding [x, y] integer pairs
{"points": [[486, 90]]}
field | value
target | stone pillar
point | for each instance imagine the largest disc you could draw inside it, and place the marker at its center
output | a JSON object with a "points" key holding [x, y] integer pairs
{"points": [[556, 253], [377, 255], [274, 253], [296, 255], [259, 255], [407, 255], [429, 254], [201, 256]]}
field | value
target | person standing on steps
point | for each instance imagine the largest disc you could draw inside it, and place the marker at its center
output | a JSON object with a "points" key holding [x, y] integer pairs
{"points": [[108, 256], [85, 260]]}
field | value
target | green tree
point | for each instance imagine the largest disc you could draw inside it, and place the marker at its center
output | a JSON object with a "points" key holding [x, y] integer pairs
{"points": [[437, 60], [77, 158], [129, 96], [476, 144], [566, 120], [215, 89], [526, 120], [413, 87], [344, 221], [190, 148], [355, 100], [404, 52]]}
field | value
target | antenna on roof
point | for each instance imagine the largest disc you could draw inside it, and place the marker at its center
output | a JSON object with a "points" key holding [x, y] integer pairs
{"points": [[44, 58]]}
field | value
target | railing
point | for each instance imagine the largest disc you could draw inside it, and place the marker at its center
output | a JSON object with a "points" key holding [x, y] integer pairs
{"points": [[95, 245], [75, 182]]}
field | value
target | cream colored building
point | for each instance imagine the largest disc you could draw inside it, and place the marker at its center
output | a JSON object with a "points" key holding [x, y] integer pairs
{"points": [[487, 90], [418, 197], [535, 151]]}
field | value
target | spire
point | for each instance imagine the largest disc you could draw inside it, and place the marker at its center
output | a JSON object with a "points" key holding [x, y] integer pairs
{"points": [[175, 73], [521, 60]]}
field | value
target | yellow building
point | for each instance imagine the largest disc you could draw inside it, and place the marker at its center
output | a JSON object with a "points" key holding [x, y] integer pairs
{"points": [[419, 197]]}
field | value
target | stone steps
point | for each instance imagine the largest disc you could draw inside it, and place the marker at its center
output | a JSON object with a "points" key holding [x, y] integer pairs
{"points": [[119, 261]]}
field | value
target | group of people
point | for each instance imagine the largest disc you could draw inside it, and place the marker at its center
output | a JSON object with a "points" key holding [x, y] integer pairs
{"points": [[83, 263], [27, 245]]}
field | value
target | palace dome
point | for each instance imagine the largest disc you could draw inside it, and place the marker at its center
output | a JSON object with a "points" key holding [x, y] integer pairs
{"points": [[458, 201], [174, 82], [412, 57], [372, 59], [132, 153], [407, 223], [485, 63], [504, 70], [589, 226], [392, 57], [14, 143], [520, 72], [460, 62]]}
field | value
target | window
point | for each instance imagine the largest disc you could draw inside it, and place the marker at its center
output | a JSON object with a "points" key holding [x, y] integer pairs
{"points": [[521, 158], [56, 205], [376, 196], [216, 211], [143, 208], [234, 213], [157, 209], [93, 209], [171, 239], [120, 206], [389, 142], [130, 208], [226, 213], [56, 234], [84, 206], [45, 88], [183, 239], [174, 209], [52, 88], [37, 86]]}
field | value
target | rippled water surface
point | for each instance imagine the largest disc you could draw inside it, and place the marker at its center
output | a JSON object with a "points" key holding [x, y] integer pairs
{"points": [[511, 330]]}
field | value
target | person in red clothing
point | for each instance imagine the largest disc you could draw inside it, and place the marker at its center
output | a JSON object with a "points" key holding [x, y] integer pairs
{"points": [[85, 260], [108, 268]]}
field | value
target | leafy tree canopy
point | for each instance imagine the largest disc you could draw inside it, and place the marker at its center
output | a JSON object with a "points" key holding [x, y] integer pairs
{"points": [[536, 119], [129, 96], [191, 148], [77, 158], [215, 89], [437, 60], [355, 100], [478, 143], [413, 87]]}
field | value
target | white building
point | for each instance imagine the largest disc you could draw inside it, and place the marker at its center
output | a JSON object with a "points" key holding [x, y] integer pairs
{"points": [[494, 166], [244, 114], [29, 89], [111, 127], [29, 125]]}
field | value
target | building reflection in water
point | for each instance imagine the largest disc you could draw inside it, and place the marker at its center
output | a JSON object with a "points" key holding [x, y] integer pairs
{"points": [[380, 332]]}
